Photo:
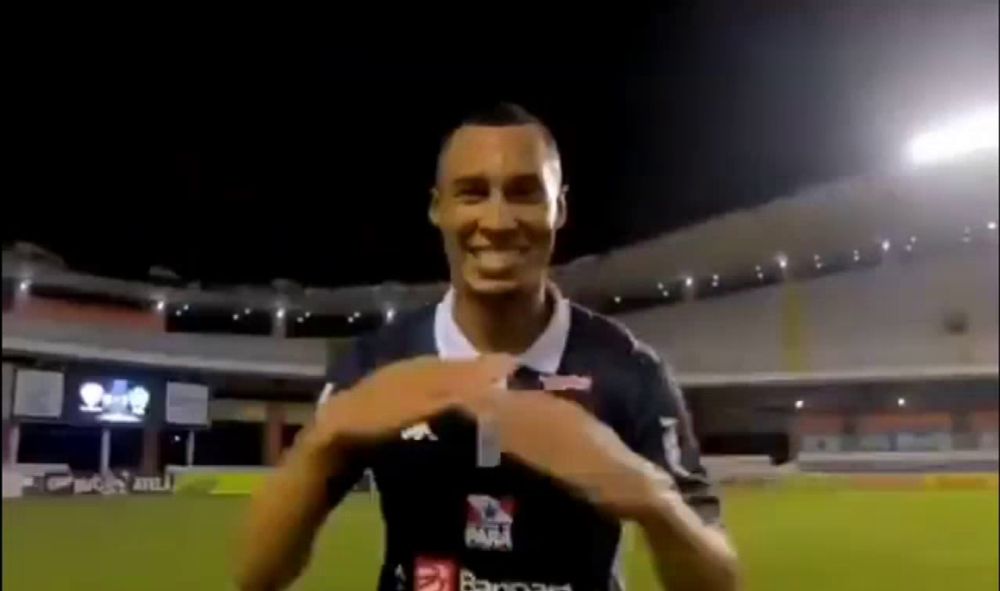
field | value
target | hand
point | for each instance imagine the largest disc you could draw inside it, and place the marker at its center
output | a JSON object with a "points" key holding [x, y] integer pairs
{"points": [[564, 441], [404, 393]]}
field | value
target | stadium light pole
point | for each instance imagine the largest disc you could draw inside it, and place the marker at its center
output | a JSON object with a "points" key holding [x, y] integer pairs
{"points": [[974, 132]]}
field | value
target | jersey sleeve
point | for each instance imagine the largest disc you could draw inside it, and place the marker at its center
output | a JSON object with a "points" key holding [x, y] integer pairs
{"points": [[349, 368], [666, 438]]}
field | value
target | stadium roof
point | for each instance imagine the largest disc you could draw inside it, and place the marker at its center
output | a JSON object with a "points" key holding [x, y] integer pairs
{"points": [[931, 206], [935, 205]]}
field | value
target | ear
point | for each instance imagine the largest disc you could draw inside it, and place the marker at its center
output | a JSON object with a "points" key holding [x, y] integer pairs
{"points": [[561, 207], [433, 213]]}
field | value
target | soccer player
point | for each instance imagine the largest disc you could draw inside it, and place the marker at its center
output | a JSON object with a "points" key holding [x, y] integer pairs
{"points": [[510, 432]]}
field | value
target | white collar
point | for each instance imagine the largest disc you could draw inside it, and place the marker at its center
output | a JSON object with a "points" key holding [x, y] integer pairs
{"points": [[544, 355]]}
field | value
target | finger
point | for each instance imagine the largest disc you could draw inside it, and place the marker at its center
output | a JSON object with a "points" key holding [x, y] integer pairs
{"points": [[480, 403], [492, 367], [475, 377], [542, 401]]}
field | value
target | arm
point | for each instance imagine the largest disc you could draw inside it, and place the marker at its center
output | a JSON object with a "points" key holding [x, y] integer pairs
{"points": [[688, 554], [680, 514], [632, 483], [327, 458], [287, 512]]}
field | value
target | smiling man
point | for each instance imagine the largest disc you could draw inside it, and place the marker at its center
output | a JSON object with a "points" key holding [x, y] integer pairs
{"points": [[511, 432]]}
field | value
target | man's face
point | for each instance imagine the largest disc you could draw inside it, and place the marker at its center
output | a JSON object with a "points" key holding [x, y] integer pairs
{"points": [[498, 203]]}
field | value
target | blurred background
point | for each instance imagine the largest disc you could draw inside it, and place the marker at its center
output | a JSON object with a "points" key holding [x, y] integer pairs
{"points": [[794, 203]]}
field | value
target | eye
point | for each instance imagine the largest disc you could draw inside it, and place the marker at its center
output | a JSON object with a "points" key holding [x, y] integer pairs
{"points": [[471, 189], [473, 193], [525, 189]]}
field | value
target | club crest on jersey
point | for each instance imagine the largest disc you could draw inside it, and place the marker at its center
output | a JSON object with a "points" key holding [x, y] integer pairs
{"points": [[489, 522], [557, 383]]}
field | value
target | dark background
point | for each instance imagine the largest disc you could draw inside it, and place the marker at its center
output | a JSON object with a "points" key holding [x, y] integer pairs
{"points": [[236, 154]]}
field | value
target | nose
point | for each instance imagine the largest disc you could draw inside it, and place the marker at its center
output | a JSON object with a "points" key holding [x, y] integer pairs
{"points": [[498, 215]]}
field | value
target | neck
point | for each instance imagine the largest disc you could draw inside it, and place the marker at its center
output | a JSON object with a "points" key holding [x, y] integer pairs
{"points": [[508, 323]]}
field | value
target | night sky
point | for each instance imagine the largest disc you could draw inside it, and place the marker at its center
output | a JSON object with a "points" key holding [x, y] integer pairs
{"points": [[235, 155]]}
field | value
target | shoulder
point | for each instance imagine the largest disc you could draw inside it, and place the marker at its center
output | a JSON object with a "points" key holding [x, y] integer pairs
{"points": [[629, 368], [410, 335], [615, 342]]}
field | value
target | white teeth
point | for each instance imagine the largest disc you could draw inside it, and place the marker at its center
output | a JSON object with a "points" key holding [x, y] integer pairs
{"points": [[497, 258]]}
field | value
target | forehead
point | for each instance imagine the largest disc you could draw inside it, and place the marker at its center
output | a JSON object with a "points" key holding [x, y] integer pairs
{"points": [[496, 151]]}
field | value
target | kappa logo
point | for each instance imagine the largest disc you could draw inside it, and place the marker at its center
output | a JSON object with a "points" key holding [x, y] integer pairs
{"points": [[435, 575], [418, 432], [400, 573], [489, 522]]}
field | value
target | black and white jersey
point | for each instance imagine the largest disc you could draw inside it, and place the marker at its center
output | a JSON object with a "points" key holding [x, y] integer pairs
{"points": [[452, 524]]}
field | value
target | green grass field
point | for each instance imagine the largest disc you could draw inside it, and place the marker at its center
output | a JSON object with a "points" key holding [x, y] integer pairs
{"points": [[789, 539]]}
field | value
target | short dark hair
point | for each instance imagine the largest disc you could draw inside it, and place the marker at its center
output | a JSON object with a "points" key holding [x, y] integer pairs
{"points": [[501, 115]]}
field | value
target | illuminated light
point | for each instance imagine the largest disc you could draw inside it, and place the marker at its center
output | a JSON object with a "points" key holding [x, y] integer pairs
{"points": [[300, 319], [186, 307], [91, 393], [886, 245], [350, 319], [688, 281], [24, 286], [972, 133], [913, 239], [659, 286], [760, 276], [356, 314], [618, 299], [908, 248], [177, 438], [246, 311], [390, 315], [782, 260], [757, 268], [236, 316], [138, 400], [666, 293], [857, 256], [160, 305], [308, 313], [966, 239], [280, 313], [900, 402], [799, 404], [991, 225], [178, 312]]}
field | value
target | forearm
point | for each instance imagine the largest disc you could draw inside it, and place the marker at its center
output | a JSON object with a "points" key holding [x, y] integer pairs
{"points": [[284, 517], [689, 555]]}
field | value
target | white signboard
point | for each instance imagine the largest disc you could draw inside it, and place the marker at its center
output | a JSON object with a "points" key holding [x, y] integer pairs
{"points": [[38, 394], [187, 404]]}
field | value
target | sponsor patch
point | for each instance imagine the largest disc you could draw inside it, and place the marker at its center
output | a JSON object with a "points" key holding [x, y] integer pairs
{"points": [[470, 582], [563, 383], [489, 522], [431, 574]]}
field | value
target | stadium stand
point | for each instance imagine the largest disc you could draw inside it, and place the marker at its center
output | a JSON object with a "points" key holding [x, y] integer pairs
{"points": [[797, 330]]}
